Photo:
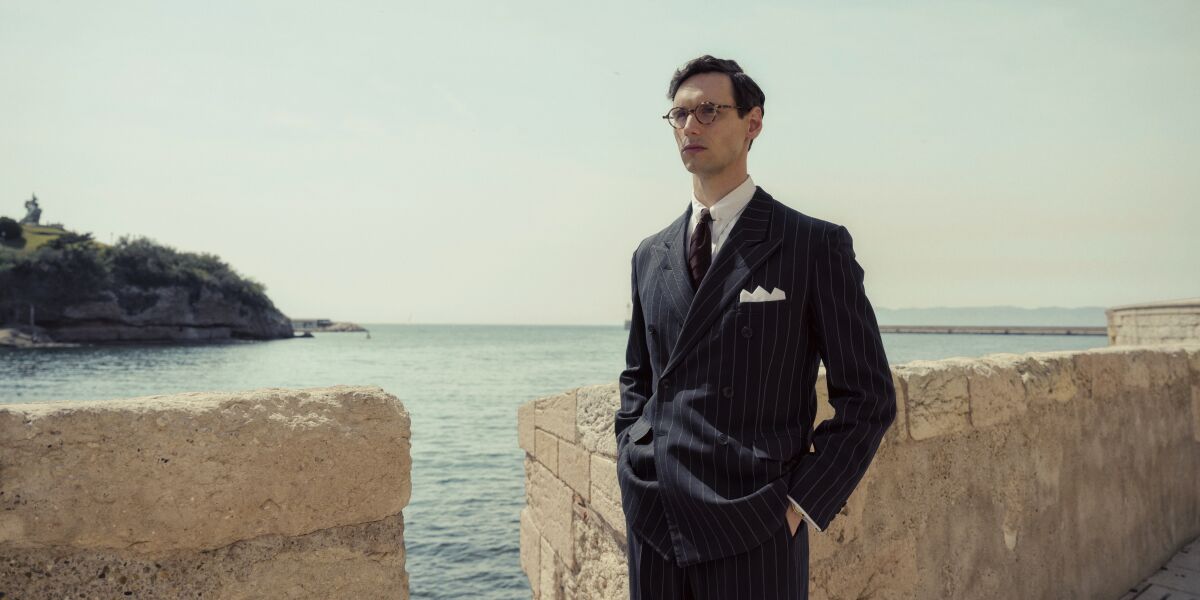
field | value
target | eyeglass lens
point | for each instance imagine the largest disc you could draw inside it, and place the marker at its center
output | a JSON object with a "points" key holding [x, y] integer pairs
{"points": [[705, 113]]}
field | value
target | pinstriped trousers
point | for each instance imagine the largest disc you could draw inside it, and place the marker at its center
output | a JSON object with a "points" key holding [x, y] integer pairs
{"points": [[775, 570]]}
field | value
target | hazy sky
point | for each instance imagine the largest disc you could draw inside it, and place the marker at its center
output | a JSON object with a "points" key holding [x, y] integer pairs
{"points": [[498, 162]]}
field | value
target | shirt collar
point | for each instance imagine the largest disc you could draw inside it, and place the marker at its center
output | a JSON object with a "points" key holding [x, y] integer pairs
{"points": [[729, 205]]}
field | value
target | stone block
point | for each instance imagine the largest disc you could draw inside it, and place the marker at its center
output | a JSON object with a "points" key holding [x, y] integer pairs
{"points": [[603, 569], [606, 493], [1049, 377], [573, 468], [550, 587], [997, 393], [526, 426], [556, 414], [1108, 374], [364, 560], [1194, 362], [898, 432], [938, 399], [546, 450], [553, 507], [1176, 371], [531, 546], [596, 408], [196, 471]]}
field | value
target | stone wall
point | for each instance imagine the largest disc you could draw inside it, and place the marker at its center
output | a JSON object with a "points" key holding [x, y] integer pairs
{"points": [[1169, 322], [1066, 475], [275, 493]]}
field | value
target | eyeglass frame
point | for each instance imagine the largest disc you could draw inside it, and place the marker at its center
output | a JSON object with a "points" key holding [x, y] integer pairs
{"points": [[692, 111]]}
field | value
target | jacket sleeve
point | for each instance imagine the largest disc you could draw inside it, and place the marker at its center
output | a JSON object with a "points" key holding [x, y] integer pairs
{"points": [[636, 379], [858, 378]]}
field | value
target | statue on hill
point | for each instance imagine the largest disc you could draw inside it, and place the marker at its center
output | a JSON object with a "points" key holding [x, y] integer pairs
{"points": [[33, 213]]}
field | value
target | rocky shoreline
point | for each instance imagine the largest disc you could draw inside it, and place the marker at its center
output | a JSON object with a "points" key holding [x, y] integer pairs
{"points": [[26, 337], [160, 314], [339, 327]]}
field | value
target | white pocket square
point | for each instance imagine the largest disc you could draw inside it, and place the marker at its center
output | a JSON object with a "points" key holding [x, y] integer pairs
{"points": [[761, 295]]}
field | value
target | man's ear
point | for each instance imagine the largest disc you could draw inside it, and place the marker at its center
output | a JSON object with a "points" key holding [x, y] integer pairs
{"points": [[754, 120]]}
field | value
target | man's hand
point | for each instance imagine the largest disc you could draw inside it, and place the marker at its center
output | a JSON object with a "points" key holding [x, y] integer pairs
{"points": [[793, 520]]}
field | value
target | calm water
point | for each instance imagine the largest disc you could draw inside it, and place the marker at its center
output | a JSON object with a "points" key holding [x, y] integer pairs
{"points": [[462, 385]]}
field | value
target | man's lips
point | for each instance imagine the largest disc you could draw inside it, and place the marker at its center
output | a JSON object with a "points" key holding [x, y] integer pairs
{"points": [[692, 148]]}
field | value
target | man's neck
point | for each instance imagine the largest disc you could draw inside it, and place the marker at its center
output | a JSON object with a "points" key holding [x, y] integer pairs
{"points": [[710, 189]]}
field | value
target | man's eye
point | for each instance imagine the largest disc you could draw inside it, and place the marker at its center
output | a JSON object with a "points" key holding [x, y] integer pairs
{"points": [[706, 112]]}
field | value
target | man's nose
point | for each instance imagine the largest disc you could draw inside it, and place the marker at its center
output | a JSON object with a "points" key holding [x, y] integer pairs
{"points": [[692, 124]]}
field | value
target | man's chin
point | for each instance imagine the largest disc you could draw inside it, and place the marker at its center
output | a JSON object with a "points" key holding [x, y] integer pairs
{"points": [[694, 166]]}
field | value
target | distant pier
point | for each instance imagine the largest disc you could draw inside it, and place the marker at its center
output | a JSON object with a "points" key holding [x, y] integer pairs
{"points": [[994, 329]]}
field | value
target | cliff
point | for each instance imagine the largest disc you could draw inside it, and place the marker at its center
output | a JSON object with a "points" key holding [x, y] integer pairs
{"points": [[165, 314], [77, 290]]}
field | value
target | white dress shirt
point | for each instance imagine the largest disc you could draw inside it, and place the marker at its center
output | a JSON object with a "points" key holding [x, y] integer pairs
{"points": [[725, 213]]}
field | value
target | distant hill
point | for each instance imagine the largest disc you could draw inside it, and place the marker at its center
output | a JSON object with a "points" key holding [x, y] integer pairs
{"points": [[993, 315]]}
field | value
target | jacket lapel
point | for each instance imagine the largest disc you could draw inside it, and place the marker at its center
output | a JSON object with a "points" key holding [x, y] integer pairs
{"points": [[748, 245], [676, 283]]}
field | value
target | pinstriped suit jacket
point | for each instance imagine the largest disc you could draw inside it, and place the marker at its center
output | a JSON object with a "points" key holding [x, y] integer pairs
{"points": [[718, 397]]}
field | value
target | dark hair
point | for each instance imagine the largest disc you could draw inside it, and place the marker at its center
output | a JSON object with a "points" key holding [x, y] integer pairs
{"points": [[746, 93]]}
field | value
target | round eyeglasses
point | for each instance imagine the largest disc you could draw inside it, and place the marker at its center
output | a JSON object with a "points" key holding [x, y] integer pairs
{"points": [[706, 112]]}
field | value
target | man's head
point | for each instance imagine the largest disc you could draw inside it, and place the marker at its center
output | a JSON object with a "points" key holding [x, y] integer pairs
{"points": [[712, 148]]}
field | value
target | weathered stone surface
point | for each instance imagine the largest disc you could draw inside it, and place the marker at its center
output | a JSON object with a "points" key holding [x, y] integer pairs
{"points": [[525, 426], [1050, 450], [1103, 376], [597, 409], [550, 587], [573, 468], [1049, 377], [556, 414], [200, 470], [997, 393], [531, 546], [606, 493], [546, 450], [553, 510], [898, 432], [938, 400], [603, 572], [1194, 368], [267, 493], [1168, 322], [364, 560]]}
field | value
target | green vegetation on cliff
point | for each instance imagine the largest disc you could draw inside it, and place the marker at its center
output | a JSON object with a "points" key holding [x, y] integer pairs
{"points": [[65, 269]]}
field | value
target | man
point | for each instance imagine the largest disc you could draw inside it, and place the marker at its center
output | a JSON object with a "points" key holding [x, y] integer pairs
{"points": [[735, 304]]}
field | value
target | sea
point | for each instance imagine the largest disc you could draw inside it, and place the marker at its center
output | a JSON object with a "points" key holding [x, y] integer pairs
{"points": [[461, 384]]}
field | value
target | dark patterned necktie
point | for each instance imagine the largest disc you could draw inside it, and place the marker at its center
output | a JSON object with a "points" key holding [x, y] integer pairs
{"points": [[700, 249]]}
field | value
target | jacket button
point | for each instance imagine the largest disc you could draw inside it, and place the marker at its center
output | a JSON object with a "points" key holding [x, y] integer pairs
{"points": [[747, 332], [721, 439], [652, 330], [727, 391], [665, 384]]}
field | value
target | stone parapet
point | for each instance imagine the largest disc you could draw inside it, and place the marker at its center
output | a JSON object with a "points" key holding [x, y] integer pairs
{"points": [[1168, 322], [1041, 475], [282, 493]]}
